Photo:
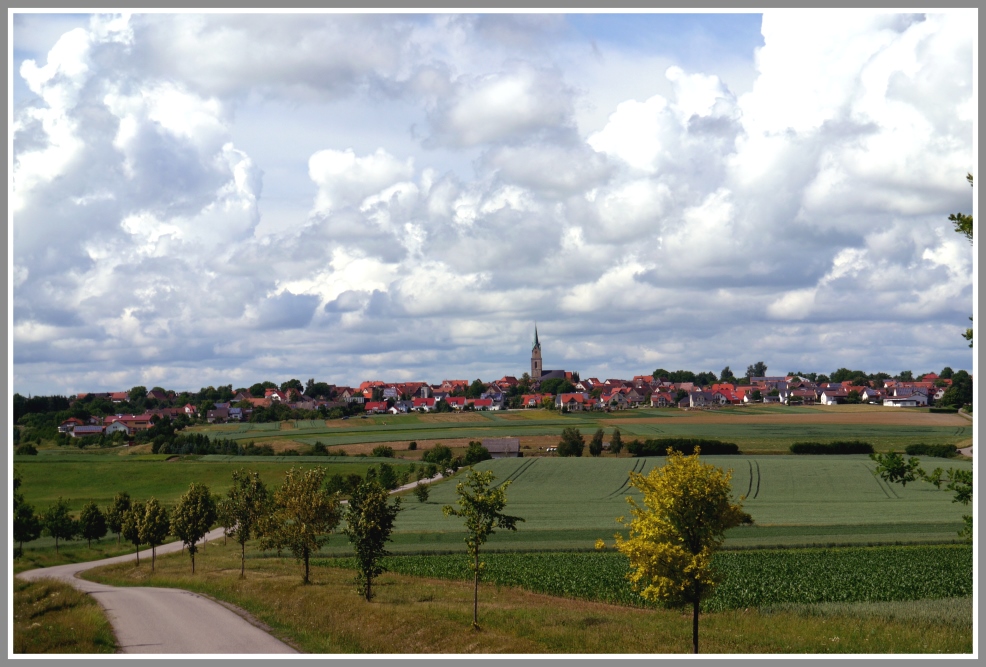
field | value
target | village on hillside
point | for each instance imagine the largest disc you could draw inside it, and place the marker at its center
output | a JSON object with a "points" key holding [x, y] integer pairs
{"points": [[551, 389]]}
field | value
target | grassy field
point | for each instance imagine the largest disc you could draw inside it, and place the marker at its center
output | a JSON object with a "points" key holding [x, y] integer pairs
{"points": [[430, 615], [756, 429], [81, 477], [52, 617]]}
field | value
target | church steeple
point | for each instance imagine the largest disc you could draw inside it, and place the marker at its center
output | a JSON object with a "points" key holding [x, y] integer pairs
{"points": [[536, 366]]}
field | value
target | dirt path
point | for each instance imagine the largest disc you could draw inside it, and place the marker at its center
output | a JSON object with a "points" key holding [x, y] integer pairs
{"points": [[167, 620]]}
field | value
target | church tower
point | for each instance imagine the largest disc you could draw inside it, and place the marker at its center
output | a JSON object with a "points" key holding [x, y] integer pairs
{"points": [[536, 366]]}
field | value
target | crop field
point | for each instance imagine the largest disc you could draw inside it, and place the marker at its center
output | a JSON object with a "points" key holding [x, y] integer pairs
{"points": [[795, 501], [756, 429], [748, 578]]}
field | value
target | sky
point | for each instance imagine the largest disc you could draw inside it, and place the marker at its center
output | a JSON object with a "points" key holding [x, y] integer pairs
{"points": [[220, 198]]}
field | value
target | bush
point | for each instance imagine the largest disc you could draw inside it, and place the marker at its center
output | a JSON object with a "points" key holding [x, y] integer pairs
{"points": [[476, 453], [659, 447], [26, 448], [319, 449], [941, 451], [412, 446], [383, 451], [839, 447], [945, 410]]}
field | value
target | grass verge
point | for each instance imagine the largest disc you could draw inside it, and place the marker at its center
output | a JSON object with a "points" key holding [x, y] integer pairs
{"points": [[52, 617], [425, 615]]}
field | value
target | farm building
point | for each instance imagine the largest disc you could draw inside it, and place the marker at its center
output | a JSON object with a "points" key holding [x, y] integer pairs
{"points": [[502, 448]]}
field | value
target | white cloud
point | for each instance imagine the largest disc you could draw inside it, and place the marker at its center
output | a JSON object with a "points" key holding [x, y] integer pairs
{"points": [[439, 192]]}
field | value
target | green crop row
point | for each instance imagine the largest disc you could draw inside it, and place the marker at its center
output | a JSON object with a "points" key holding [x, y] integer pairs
{"points": [[749, 578]]}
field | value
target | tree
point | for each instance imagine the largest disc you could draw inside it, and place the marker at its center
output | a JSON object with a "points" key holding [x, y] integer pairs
{"points": [[687, 509], [905, 376], [616, 442], [946, 373], [155, 527], [893, 468], [441, 456], [481, 505], [596, 444], [369, 522], [27, 525], [572, 443], [963, 223], [137, 393], [476, 389], [304, 513], [58, 523], [114, 513], [193, 516], [421, 492], [726, 375], [756, 396], [92, 523], [130, 526], [476, 453], [246, 503], [757, 370], [383, 452]]}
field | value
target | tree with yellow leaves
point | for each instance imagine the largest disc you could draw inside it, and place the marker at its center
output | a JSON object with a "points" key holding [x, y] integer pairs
{"points": [[687, 509]]}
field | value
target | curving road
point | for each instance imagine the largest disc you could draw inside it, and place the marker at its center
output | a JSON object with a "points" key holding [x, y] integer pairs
{"points": [[166, 620], [170, 620]]}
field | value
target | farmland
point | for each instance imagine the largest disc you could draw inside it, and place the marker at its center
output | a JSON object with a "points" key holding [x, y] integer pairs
{"points": [[756, 429], [750, 578]]}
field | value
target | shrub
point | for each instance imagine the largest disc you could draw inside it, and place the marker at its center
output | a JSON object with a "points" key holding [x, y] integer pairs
{"points": [[659, 447], [838, 447], [946, 410], [319, 449], [476, 453], [26, 448], [383, 451], [941, 451], [412, 446]]}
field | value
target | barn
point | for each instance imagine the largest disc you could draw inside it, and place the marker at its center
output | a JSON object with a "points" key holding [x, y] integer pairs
{"points": [[502, 448]]}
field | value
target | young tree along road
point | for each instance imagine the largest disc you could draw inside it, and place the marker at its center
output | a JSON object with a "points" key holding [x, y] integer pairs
{"points": [[687, 509], [481, 505]]}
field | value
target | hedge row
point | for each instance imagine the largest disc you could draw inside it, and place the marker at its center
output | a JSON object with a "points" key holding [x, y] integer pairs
{"points": [[941, 451], [839, 447], [947, 410], [660, 446]]}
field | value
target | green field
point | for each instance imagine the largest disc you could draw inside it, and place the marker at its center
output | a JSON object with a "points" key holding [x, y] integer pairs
{"points": [[760, 435], [856, 574], [794, 500], [81, 477]]}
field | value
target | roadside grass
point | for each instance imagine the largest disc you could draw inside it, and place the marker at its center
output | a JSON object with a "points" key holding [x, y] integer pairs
{"points": [[424, 615], [41, 552], [52, 617]]}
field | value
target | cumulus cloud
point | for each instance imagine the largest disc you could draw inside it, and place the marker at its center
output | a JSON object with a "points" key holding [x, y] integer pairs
{"points": [[444, 194]]}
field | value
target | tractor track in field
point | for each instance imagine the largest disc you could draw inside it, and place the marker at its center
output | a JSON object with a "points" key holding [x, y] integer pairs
{"points": [[637, 468], [519, 471]]}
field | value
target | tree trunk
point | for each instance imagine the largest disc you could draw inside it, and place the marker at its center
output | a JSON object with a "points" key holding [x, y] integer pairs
{"points": [[56, 544], [153, 556], [137, 551], [242, 560], [192, 553], [306, 565], [695, 625], [475, 594]]}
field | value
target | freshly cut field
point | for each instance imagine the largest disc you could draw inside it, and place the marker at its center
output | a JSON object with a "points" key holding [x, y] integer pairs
{"points": [[749, 578], [756, 429]]}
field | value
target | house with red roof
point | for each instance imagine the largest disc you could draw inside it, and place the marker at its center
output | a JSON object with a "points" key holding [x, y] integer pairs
{"points": [[375, 406], [423, 404]]}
